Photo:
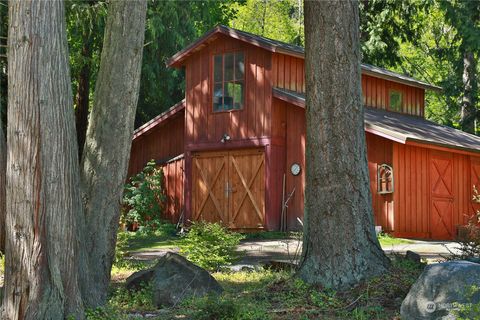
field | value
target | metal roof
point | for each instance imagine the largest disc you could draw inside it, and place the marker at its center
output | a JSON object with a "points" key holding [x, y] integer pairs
{"points": [[287, 49], [400, 127]]}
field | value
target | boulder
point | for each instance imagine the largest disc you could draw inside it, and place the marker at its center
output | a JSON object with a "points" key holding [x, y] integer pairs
{"points": [[439, 288], [174, 279], [137, 279], [413, 256]]}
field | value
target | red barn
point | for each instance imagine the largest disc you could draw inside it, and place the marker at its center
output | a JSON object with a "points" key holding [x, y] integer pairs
{"points": [[234, 149]]}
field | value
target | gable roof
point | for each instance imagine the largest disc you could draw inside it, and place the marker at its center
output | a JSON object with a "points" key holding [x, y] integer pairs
{"points": [[180, 106], [287, 49], [400, 127]]}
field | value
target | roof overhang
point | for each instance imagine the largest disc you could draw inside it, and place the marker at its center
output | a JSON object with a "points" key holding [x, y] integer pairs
{"points": [[180, 106], [402, 128]]}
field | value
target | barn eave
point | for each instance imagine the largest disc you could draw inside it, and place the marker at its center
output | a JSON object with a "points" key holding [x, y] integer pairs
{"points": [[402, 128]]}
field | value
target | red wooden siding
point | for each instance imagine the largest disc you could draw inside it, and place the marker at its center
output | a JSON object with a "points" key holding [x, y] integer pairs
{"points": [[376, 95], [380, 151], [252, 122], [163, 142], [173, 184], [288, 72], [432, 191]]}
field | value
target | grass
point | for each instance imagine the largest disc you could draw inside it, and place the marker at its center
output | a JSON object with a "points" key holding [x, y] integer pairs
{"points": [[266, 294], [387, 240], [165, 237]]}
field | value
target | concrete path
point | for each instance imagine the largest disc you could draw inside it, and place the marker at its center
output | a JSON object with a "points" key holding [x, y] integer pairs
{"points": [[260, 251]]}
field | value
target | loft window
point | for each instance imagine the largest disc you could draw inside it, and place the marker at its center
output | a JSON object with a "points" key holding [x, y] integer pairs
{"points": [[395, 100], [228, 81], [385, 179]]}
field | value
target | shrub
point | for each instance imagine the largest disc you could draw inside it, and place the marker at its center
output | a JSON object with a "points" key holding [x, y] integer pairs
{"points": [[468, 236], [144, 198], [210, 245], [214, 307]]}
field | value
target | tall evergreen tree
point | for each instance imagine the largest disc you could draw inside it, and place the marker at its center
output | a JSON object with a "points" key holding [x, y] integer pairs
{"points": [[339, 245], [107, 147], [42, 171]]}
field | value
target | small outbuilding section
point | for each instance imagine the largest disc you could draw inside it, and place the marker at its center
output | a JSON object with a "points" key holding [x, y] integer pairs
{"points": [[234, 150]]}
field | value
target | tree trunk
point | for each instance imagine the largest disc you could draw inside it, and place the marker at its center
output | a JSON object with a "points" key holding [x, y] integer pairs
{"points": [[3, 168], [42, 168], [339, 247], [83, 94], [470, 88], [109, 135]]}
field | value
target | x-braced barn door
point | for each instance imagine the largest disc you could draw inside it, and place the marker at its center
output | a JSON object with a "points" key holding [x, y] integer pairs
{"points": [[230, 187], [442, 196]]}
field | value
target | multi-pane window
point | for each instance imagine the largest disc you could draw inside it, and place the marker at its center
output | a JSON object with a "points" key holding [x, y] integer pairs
{"points": [[395, 100], [228, 81]]}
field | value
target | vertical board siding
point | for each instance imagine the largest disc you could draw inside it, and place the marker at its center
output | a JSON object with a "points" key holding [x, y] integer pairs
{"points": [[173, 187], [380, 151], [376, 95], [289, 72], [251, 122], [161, 143], [295, 153], [414, 185]]}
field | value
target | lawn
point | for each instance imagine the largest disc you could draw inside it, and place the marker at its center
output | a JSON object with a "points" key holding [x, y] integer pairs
{"points": [[261, 294], [267, 294]]}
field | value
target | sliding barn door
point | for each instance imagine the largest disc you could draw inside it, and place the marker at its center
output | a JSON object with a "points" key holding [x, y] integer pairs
{"points": [[442, 196], [247, 193], [229, 187], [209, 179]]}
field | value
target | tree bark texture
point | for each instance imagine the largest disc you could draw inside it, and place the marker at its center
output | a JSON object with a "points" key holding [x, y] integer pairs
{"points": [[468, 113], [82, 98], [42, 168], [3, 168], [340, 247], [109, 135]]}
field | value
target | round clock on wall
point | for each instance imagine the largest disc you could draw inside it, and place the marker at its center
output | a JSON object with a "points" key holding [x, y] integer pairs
{"points": [[295, 169]]}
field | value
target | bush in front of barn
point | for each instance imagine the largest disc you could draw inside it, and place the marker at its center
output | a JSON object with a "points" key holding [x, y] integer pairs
{"points": [[144, 199], [210, 245]]}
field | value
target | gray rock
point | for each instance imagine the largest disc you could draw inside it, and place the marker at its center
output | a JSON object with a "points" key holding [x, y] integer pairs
{"points": [[174, 279], [439, 287], [137, 279], [413, 256]]}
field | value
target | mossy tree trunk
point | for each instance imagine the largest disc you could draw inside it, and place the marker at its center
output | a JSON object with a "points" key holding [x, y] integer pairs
{"points": [[42, 168], [340, 247], [107, 148]]}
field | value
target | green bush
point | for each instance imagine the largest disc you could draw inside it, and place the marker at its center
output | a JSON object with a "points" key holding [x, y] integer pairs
{"points": [[144, 198], [210, 245]]}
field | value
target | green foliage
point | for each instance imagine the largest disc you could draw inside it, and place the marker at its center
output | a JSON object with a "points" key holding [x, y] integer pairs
{"points": [[139, 300], [468, 237], [280, 20], [170, 27], [214, 307], [104, 313], [2, 263], [385, 24], [469, 310], [387, 240], [210, 245], [144, 198]]}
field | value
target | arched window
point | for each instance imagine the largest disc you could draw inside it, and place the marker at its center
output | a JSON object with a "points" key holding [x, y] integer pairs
{"points": [[384, 179]]}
